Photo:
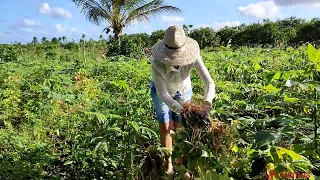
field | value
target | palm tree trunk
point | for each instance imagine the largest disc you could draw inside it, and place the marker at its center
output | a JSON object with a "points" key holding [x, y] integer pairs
{"points": [[117, 34], [84, 50]]}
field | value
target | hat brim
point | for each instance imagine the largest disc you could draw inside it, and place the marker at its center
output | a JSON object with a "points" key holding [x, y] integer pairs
{"points": [[185, 55]]}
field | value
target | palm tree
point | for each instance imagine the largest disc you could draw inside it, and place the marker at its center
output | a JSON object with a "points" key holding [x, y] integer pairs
{"points": [[83, 40], [35, 41], [55, 40], [44, 40], [119, 13], [64, 38]]}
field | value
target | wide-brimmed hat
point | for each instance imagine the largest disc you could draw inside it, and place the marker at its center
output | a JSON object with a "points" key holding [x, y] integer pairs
{"points": [[176, 49]]}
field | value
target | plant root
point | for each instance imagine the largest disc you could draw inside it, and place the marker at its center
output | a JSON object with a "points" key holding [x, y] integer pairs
{"points": [[202, 128]]}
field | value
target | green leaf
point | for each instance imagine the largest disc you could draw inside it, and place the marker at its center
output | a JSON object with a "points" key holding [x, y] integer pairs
{"points": [[277, 76], [312, 177], [149, 132], [235, 148], [115, 129], [134, 125], [251, 151], [115, 116], [68, 162], [257, 66], [270, 88], [181, 168], [204, 154], [101, 117], [105, 145], [104, 163], [97, 146], [312, 53], [274, 155], [241, 141], [303, 86], [287, 99], [291, 153]]}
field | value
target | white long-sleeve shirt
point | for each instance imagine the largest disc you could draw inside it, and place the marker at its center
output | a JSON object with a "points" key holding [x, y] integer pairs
{"points": [[168, 81]]}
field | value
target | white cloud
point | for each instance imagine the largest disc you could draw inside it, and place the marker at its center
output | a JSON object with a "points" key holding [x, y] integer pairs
{"points": [[2, 34], [220, 25], [294, 2], [264, 9], [30, 23], [172, 19], [27, 30], [316, 5], [84, 32], [60, 28], [26, 26], [202, 26], [27, 23], [45, 9], [65, 29], [74, 30]]}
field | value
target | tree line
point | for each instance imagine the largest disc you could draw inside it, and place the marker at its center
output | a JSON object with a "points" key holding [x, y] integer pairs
{"points": [[283, 33], [286, 32], [291, 32]]}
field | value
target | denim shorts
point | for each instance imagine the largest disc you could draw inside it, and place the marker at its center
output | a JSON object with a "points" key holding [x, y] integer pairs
{"points": [[163, 112]]}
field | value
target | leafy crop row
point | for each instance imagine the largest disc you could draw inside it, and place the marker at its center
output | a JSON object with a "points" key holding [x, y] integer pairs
{"points": [[63, 116]]}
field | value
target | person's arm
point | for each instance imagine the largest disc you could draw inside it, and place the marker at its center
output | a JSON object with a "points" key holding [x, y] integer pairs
{"points": [[162, 92], [209, 85]]}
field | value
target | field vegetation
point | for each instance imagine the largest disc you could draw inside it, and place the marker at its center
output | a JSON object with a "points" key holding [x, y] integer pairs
{"points": [[82, 110]]}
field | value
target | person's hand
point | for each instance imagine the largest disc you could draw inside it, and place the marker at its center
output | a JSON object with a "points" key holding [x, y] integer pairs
{"points": [[207, 107], [176, 107]]}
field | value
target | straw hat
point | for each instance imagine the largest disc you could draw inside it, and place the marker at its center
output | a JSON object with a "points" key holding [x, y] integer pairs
{"points": [[176, 49]]}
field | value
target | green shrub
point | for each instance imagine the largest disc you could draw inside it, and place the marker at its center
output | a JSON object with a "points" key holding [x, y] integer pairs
{"points": [[130, 45], [8, 53], [205, 37], [156, 36], [71, 46]]}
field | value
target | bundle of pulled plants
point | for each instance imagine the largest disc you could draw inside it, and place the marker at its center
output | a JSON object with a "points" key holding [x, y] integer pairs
{"points": [[202, 140]]}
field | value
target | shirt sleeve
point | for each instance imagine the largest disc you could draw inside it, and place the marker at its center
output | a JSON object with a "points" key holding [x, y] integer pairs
{"points": [[209, 85], [162, 91]]}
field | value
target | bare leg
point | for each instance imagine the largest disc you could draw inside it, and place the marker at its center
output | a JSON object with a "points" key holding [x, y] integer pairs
{"points": [[166, 141]]}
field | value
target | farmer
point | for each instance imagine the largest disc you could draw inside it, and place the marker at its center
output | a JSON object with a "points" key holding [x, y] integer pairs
{"points": [[172, 61]]}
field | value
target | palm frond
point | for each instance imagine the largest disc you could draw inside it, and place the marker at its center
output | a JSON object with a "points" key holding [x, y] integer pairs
{"points": [[150, 9], [93, 11], [96, 16], [134, 4]]}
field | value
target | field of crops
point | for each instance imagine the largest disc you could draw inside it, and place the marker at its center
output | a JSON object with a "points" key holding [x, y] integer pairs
{"points": [[65, 116]]}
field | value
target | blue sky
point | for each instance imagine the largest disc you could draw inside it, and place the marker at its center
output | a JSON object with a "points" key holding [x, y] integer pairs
{"points": [[21, 20]]}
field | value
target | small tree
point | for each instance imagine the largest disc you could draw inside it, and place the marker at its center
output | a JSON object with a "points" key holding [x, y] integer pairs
{"points": [[44, 40], [156, 36], [35, 41], [55, 40], [121, 13], [83, 40], [64, 39], [206, 37], [187, 28]]}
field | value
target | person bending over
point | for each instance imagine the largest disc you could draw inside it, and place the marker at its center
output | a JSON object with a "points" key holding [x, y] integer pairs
{"points": [[173, 58]]}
